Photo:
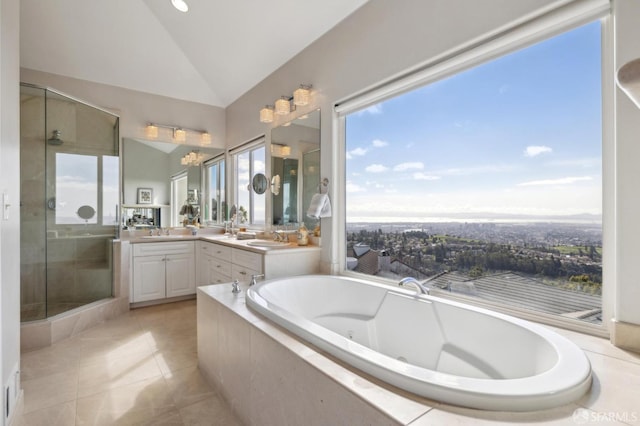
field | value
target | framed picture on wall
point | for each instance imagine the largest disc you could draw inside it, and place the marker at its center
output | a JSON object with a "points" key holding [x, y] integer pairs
{"points": [[145, 196], [192, 196]]}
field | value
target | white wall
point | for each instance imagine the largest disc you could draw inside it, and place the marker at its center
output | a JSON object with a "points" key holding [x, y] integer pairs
{"points": [[627, 128], [137, 108], [9, 183], [383, 39], [151, 172]]}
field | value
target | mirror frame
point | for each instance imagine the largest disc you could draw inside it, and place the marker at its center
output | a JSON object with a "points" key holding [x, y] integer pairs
{"points": [[269, 166], [260, 183]]}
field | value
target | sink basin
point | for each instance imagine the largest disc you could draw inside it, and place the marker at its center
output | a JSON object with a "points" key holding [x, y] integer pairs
{"points": [[267, 243]]}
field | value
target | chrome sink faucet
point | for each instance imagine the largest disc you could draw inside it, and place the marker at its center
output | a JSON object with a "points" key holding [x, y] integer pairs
{"points": [[410, 280]]}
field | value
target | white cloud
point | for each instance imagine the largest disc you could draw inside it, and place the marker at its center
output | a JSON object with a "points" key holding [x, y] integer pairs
{"points": [[561, 181], [415, 165], [352, 187], [377, 143], [356, 152], [423, 176], [376, 168], [503, 89], [535, 150], [467, 171]]}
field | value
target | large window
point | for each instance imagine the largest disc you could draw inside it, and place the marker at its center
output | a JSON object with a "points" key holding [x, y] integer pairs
{"points": [[488, 183], [215, 205], [87, 181], [248, 162]]}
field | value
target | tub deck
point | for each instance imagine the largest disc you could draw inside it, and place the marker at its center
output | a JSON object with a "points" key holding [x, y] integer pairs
{"points": [[269, 376]]}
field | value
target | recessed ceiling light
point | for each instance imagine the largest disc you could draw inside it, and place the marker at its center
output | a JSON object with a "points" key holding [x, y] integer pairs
{"points": [[181, 5]]}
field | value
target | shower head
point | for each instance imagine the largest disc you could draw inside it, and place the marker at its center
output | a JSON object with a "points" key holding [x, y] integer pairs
{"points": [[55, 138]]}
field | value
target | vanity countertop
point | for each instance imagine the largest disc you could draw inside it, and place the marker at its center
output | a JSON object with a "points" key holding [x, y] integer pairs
{"points": [[253, 245]]}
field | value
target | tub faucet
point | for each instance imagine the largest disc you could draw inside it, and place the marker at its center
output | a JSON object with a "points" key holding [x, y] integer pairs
{"points": [[410, 280], [253, 279]]}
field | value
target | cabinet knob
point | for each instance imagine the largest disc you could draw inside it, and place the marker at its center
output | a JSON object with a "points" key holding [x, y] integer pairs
{"points": [[243, 272]]}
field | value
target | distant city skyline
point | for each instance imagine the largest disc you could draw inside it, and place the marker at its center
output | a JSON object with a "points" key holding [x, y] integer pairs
{"points": [[519, 137]]}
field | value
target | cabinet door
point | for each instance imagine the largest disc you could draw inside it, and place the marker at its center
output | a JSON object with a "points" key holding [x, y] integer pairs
{"points": [[148, 278], [181, 271], [202, 268]]}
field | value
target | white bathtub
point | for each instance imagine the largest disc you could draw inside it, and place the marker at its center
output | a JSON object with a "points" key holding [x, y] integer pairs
{"points": [[439, 349]]}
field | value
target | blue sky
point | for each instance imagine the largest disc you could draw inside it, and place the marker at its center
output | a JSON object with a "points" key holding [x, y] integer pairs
{"points": [[520, 135]]}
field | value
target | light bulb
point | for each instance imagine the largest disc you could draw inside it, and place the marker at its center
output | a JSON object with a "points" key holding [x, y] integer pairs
{"points": [[151, 131], [206, 138], [180, 135], [283, 107], [301, 95], [266, 114]]}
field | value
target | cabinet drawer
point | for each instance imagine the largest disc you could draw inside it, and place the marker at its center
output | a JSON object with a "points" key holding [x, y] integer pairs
{"points": [[216, 250], [243, 273], [220, 279], [220, 267], [153, 249], [247, 259]]}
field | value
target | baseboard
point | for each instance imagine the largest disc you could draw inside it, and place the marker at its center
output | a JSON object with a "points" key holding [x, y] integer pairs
{"points": [[625, 335]]}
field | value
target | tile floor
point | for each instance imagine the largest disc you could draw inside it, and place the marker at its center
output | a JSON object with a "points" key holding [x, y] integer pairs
{"points": [[140, 368]]}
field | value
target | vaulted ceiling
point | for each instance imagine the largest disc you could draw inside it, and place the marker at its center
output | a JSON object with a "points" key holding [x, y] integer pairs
{"points": [[212, 54]]}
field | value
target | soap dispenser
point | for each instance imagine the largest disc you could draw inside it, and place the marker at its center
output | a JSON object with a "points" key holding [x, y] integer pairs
{"points": [[303, 235]]}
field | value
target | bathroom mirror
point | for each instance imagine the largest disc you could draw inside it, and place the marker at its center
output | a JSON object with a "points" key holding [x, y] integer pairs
{"points": [[295, 159], [259, 183], [151, 164]]}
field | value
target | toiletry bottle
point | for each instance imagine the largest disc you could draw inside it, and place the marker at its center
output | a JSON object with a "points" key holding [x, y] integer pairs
{"points": [[303, 235]]}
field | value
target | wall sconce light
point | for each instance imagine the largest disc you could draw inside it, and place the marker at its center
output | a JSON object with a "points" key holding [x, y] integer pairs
{"points": [[301, 95], [286, 104], [279, 150], [194, 158], [266, 114], [283, 107], [151, 131], [179, 133], [206, 138]]}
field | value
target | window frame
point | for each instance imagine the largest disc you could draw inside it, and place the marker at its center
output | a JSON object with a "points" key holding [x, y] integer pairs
{"points": [[465, 57], [221, 189], [250, 148]]}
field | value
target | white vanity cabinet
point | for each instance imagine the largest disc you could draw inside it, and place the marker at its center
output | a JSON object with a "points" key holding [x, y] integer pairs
{"points": [[163, 270], [214, 263], [222, 263]]}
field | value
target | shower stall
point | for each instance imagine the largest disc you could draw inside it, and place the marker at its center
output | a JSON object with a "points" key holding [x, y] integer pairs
{"points": [[69, 200]]}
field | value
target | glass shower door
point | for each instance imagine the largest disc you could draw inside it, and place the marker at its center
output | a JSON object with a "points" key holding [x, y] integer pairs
{"points": [[69, 180], [82, 172]]}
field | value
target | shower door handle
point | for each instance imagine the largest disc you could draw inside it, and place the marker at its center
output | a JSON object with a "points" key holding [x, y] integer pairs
{"points": [[5, 206]]}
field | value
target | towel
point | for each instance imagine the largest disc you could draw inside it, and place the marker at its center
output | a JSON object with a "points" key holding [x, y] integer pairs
{"points": [[320, 206]]}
